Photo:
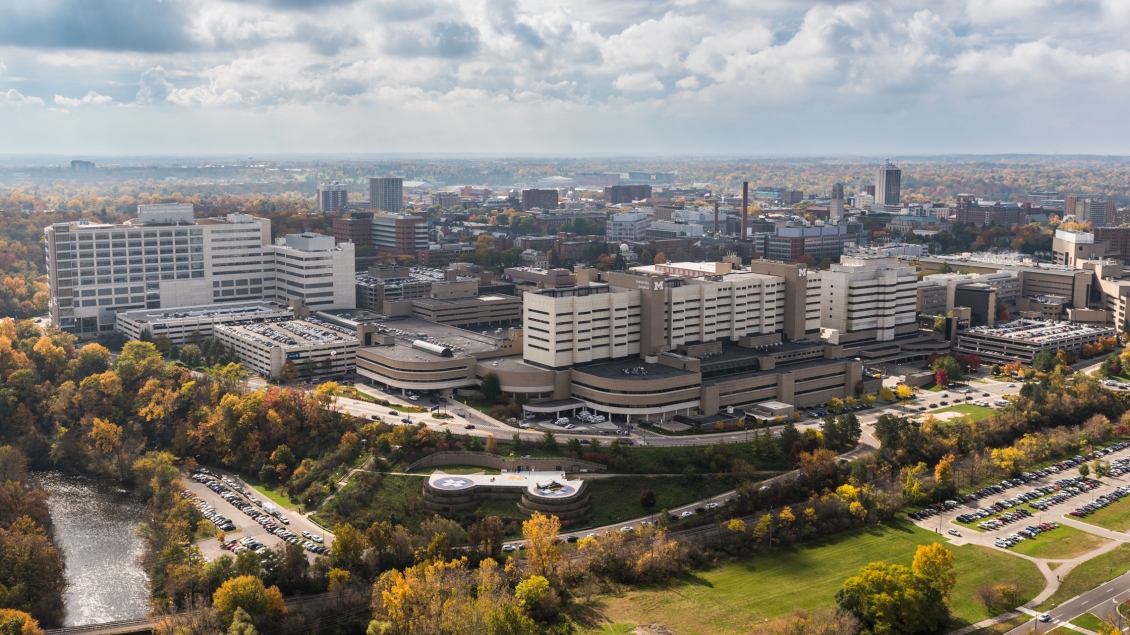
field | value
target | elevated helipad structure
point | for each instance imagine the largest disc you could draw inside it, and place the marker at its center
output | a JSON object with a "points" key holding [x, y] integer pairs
{"points": [[547, 492]]}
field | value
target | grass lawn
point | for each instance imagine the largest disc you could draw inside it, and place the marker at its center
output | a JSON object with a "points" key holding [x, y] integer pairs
{"points": [[617, 498], [734, 596], [658, 460], [1090, 574], [1002, 627], [1087, 621], [369, 497], [1061, 543], [275, 492], [1115, 517], [977, 413]]}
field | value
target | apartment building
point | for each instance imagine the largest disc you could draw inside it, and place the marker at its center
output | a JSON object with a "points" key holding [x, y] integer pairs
{"points": [[332, 196], [399, 234], [165, 258], [386, 194], [870, 297], [318, 349]]}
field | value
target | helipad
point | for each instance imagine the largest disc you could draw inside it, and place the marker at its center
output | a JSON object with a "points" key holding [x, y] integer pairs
{"points": [[549, 485]]}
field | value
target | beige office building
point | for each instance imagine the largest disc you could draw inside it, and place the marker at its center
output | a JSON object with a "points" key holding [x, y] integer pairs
{"points": [[866, 295]]}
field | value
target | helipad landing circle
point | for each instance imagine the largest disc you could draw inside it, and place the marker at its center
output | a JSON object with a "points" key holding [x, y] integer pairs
{"points": [[453, 483]]}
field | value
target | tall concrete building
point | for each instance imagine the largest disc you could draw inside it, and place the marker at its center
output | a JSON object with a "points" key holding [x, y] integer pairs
{"points": [[888, 184], [836, 204], [165, 258], [868, 298], [400, 234], [802, 296], [1097, 211], [332, 196], [386, 194], [629, 226]]}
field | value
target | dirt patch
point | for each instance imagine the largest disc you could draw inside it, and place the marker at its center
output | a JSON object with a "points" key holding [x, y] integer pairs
{"points": [[655, 628]]}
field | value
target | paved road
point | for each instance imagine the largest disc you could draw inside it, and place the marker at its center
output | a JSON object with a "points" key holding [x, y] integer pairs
{"points": [[245, 526], [1102, 601]]}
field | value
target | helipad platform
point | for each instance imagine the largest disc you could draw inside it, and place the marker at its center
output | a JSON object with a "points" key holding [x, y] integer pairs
{"points": [[547, 492]]}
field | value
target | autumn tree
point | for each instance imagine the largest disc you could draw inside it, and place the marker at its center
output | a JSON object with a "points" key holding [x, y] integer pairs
{"points": [[13, 622], [893, 599], [248, 593], [542, 551], [943, 471], [935, 563]]}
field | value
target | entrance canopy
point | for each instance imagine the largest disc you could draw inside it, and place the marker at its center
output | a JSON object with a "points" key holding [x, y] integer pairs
{"points": [[548, 407]]}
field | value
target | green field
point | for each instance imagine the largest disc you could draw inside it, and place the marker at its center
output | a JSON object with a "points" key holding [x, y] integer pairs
{"points": [[1061, 543], [617, 498], [733, 596], [1115, 517], [1087, 621], [1090, 574], [1002, 627], [275, 492], [977, 413], [370, 497]]}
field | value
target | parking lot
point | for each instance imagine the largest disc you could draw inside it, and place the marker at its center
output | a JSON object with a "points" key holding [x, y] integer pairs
{"points": [[250, 518], [1020, 504]]}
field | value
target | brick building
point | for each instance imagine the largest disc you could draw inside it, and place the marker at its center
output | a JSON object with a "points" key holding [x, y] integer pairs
{"points": [[357, 228], [618, 194], [541, 199]]}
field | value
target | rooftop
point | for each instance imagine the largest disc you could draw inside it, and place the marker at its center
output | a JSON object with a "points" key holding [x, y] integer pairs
{"points": [[251, 310], [632, 368], [283, 333], [462, 342], [1041, 331]]}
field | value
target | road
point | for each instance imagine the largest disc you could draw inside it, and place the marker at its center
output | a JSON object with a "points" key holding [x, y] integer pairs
{"points": [[1101, 601], [245, 526]]}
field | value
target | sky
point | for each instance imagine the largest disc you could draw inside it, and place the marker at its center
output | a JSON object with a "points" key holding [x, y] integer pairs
{"points": [[572, 77]]}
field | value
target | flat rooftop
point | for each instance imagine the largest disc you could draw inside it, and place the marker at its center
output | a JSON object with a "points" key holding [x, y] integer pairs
{"points": [[1040, 331], [251, 310], [285, 334], [632, 368], [467, 301], [543, 484], [462, 342]]}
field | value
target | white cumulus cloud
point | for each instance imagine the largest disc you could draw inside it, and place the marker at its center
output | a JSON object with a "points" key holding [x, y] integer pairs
{"points": [[13, 96], [90, 98]]}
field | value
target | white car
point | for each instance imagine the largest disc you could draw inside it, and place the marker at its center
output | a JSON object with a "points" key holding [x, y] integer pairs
{"points": [[686, 514], [954, 532], [1044, 617], [562, 421]]}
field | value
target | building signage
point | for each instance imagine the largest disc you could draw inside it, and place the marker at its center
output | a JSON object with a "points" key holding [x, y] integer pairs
{"points": [[293, 355]]}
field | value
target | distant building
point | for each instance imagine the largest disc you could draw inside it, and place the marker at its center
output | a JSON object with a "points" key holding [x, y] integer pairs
{"points": [[788, 244], [332, 196], [446, 199], [888, 184], [629, 226], [386, 194], [82, 166], [647, 178], [539, 199], [1099, 212], [400, 234], [984, 213], [836, 203], [1046, 200], [620, 194], [357, 228], [534, 259], [597, 179]]}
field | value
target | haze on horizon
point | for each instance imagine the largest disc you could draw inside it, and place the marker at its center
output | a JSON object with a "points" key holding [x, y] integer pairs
{"points": [[578, 77]]}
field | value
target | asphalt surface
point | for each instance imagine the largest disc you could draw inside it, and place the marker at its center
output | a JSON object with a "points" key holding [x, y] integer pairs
{"points": [[1101, 601], [244, 524]]}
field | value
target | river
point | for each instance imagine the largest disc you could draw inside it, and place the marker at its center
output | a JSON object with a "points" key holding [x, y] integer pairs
{"points": [[95, 524]]}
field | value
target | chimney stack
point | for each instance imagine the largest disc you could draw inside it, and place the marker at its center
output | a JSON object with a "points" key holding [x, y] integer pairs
{"points": [[745, 206], [715, 218]]}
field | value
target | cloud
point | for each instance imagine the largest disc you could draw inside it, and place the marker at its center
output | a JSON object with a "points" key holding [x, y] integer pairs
{"points": [[13, 96], [116, 25], [90, 98], [638, 82], [155, 88]]}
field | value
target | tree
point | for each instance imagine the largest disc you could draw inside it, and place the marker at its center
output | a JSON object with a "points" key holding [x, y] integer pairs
{"points": [[13, 622], [549, 441], [935, 563], [241, 624], [542, 551], [886, 394], [536, 596], [1084, 470], [789, 437], [647, 499], [943, 471], [163, 344], [660, 258], [1044, 361], [942, 378], [288, 372], [348, 546], [248, 593], [939, 323], [891, 599], [868, 400], [491, 388], [953, 369], [836, 404], [492, 444], [93, 359], [736, 525], [903, 391]]}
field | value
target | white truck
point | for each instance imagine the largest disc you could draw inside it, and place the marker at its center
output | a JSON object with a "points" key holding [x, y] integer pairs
{"points": [[270, 509]]}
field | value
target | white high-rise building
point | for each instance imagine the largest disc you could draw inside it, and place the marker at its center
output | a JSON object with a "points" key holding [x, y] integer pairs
{"points": [[888, 184], [332, 196], [867, 296], [629, 226], [166, 259]]}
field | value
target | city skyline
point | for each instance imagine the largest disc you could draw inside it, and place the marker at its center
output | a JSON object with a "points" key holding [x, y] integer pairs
{"points": [[205, 76]]}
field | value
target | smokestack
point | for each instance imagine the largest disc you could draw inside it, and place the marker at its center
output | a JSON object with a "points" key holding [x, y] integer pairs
{"points": [[715, 218], [745, 206]]}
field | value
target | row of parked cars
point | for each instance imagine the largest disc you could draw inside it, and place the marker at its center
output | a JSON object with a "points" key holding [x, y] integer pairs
{"points": [[1100, 502], [999, 522], [1031, 531], [221, 523], [238, 496]]}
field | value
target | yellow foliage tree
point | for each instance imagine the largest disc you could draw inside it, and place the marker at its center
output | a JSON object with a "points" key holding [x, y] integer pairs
{"points": [[786, 518], [903, 391], [1009, 459], [542, 550], [736, 525], [943, 471], [935, 563], [886, 394], [248, 593], [858, 510], [15, 622]]}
